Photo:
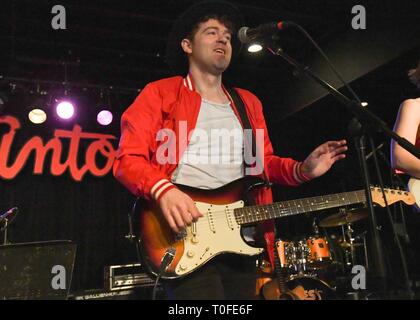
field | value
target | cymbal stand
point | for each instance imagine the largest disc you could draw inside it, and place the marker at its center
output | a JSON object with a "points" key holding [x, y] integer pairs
{"points": [[366, 251], [351, 241]]}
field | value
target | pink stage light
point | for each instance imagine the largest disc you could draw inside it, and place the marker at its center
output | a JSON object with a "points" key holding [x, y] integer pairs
{"points": [[65, 110], [104, 117]]}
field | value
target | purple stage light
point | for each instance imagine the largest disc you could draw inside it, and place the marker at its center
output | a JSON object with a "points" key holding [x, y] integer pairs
{"points": [[65, 110], [104, 117]]}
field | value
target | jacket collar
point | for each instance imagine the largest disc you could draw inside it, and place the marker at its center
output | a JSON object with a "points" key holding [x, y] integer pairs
{"points": [[188, 82]]}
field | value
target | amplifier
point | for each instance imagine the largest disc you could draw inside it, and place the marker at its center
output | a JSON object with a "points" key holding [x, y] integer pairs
{"points": [[126, 276], [100, 294], [140, 293]]}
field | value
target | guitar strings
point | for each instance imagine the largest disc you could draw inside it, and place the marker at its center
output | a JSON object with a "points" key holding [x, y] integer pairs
{"points": [[278, 211], [284, 212]]}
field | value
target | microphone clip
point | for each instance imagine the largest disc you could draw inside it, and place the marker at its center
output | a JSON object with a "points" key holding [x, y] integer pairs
{"points": [[5, 217]]}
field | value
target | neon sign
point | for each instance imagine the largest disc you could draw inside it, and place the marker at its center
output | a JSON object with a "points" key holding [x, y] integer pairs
{"points": [[101, 145]]}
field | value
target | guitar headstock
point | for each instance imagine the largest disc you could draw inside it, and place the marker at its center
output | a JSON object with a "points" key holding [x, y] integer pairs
{"points": [[392, 196]]}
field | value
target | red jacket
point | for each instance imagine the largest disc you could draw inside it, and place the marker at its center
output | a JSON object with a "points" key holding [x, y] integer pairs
{"points": [[163, 104]]}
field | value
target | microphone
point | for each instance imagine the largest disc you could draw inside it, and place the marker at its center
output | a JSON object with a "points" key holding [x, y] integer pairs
{"points": [[247, 35], [8, 213], [167, 259]]}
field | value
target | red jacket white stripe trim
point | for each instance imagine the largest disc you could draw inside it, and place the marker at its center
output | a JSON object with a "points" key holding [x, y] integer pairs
{"points": [[157, 186], [162, 190], [190, 86]]}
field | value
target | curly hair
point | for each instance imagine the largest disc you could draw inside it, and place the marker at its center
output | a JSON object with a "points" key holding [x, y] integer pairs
{"points": [[226, 20], [414, 75]]}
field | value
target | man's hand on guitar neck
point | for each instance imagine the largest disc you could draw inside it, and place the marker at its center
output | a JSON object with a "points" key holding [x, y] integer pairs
{"points": [[178, 209]]}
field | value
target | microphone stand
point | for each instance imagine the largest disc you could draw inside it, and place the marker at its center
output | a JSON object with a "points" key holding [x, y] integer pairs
{"points": [[6, 221], [357, 132], [370, 123]]}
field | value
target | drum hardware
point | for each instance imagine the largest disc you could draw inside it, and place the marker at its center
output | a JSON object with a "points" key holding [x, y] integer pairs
{"points": [[296, 272], [281, 290], [303, 256], [349, 244], [308, 268], [293, 256], [263, 265], [292, 281]]}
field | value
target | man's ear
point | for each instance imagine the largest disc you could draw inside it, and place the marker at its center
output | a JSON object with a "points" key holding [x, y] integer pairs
{"points": [[186, 45]]}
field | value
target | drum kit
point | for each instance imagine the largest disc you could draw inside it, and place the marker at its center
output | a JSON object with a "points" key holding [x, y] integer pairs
{"points": [[308, 266]]}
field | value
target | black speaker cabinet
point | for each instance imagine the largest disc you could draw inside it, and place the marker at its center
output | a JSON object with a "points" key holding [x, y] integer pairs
{"points": [[36, 270]]}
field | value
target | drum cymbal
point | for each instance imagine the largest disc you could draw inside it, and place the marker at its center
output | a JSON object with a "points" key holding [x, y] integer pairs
{"points": [[347, 245], [340, 219]]}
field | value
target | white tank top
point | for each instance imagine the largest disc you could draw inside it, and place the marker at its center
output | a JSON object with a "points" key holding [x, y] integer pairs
{"points": [[214, 156]]}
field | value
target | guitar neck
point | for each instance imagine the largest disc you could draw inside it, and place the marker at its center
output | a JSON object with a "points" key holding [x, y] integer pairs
{"points": [[252, 214]]}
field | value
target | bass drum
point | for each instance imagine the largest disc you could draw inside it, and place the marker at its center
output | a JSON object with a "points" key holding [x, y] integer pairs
{"points": [[310, 288]]}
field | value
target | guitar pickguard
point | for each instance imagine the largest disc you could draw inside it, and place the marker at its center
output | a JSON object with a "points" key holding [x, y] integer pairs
{"points": [[216, 232]]}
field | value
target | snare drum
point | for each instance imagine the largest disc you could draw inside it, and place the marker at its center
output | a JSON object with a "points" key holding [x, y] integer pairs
{"points": [[320, 255]]}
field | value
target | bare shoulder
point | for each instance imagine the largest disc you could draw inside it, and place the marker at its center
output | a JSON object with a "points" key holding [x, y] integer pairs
{"points": [[411, 105]]}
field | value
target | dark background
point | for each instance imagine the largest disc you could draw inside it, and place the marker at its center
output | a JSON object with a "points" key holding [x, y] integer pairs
{"points": [[116, 47]]}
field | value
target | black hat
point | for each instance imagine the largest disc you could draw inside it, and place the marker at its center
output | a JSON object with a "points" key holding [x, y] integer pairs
{"points": [[175, 56]]}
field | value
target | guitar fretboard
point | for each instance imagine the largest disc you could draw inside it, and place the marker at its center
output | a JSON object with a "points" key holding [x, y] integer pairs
{"points": [[257, 213]]}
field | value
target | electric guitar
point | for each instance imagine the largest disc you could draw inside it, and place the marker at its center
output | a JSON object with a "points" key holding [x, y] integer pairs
{"points": [[219, 230], [414, 188]]}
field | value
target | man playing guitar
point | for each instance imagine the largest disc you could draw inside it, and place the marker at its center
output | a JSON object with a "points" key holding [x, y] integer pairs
{"points": [[200, 48]]}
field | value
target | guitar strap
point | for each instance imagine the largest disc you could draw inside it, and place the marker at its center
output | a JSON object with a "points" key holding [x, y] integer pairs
{"points": [[266, 226], [240, 106]]}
